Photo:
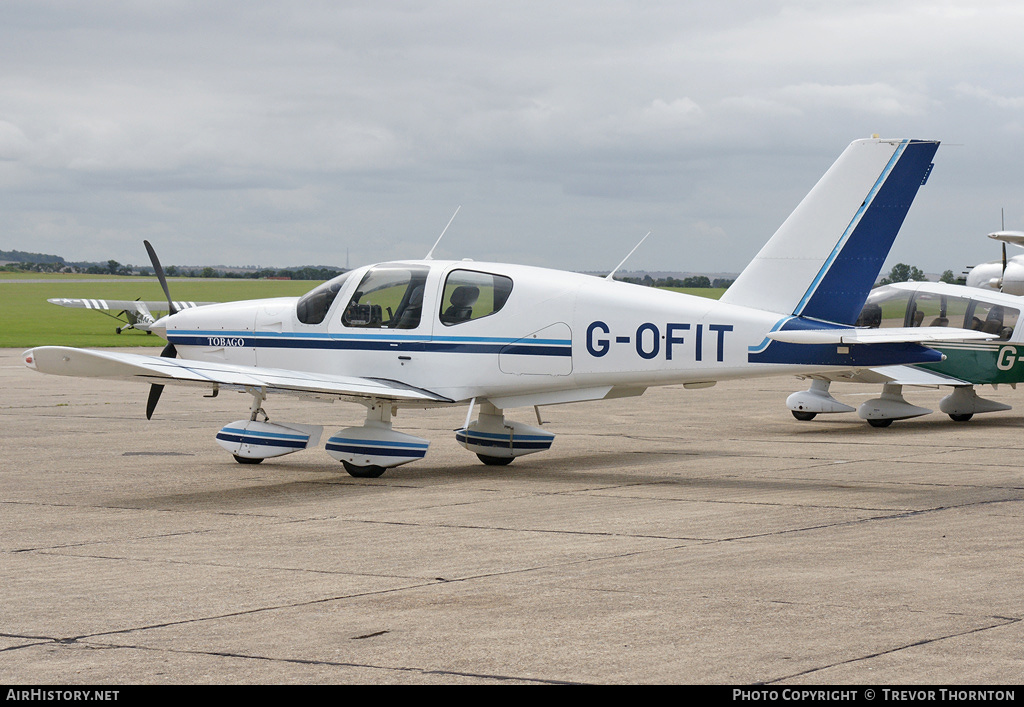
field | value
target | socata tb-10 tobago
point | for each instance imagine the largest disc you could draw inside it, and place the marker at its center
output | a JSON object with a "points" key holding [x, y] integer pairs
{"points": [[489, 336]]}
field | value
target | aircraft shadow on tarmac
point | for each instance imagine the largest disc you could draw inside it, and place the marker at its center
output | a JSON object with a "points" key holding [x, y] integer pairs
{"points": [[591, 472]]}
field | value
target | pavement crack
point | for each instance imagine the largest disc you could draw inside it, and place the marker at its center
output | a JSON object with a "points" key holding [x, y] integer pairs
{"points": [[491, 677], [1003, 622]]}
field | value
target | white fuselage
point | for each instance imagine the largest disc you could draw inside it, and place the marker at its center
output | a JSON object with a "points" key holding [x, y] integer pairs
{"points": [[558, 331]]}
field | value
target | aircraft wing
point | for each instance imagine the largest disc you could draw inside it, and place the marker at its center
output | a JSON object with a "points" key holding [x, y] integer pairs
{"points": [[900, 375], [1014, 237], [65, 361], [895, 335], [118, 305]]}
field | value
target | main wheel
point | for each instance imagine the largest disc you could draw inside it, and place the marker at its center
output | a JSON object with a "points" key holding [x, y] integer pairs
{"points": [[246, 460], [363, 472], [962, 418], [804, 416], [494, 461], [880, 422]]}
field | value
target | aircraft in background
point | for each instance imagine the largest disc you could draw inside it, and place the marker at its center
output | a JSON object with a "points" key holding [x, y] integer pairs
{"points": [[1005, 275], [137, 314], [493, 337], [965, 365]]}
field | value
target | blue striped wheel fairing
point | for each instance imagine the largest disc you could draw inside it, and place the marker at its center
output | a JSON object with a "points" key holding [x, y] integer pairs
{"points": [[490, 439], [373, 447], [263, 439]]}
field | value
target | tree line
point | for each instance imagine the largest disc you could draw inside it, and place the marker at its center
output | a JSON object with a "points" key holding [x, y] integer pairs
{"points": [[55, 264], [40, 262], [901, 272], [692, 281]]}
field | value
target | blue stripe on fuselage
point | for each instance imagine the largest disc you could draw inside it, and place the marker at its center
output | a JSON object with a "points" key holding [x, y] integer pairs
{"points": [[445, 344]]}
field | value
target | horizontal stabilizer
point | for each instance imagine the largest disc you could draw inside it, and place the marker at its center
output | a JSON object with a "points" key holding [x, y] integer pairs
{"points": [[895, 335]]}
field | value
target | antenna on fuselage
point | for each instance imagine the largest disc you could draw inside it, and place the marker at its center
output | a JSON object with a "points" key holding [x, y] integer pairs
{"points": [[612, 273], [430, 255]]}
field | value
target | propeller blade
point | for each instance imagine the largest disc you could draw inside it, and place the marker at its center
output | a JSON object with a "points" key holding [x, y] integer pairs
{"points": [[155, 390], [1002, 275], [154, 397], [160, 276]]}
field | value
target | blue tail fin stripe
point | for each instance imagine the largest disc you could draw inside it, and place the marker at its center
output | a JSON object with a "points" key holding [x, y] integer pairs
{"points": [[849, 229]]}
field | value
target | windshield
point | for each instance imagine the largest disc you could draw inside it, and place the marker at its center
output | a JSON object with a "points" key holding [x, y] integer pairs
{"points": [[313, 306]]}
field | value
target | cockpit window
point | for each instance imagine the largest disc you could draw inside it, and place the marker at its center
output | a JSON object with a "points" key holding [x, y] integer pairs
{"points": [[313, 306], [470, 295], [994, 319], [894, 307], [388, 297]]}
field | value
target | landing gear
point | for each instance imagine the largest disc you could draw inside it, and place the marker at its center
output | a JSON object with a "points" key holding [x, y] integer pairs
{"points": [[363, 472], [816, 400], [881, 411], [253, 440], [497, 441], [368, 451], [964, 402]]}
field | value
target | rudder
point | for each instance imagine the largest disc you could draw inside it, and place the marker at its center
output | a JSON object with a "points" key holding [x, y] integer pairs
{"points": [[824, 259]]}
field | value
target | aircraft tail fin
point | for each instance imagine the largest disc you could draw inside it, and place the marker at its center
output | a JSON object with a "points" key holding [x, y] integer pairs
{"points": [[824, 259]]}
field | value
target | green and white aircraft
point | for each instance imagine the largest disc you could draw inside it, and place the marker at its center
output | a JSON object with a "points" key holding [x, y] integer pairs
{"points": [[967, 364]]}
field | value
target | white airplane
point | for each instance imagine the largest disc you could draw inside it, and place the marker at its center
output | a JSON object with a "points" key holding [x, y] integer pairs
{"points": [[138, 314], [1006, 275], [492, 336]]}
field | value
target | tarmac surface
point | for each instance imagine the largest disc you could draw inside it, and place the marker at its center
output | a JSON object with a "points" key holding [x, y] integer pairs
{"points": [[686, 536]]}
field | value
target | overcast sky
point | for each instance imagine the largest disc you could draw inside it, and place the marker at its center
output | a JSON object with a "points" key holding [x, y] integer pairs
{"points": [[293, 133]]}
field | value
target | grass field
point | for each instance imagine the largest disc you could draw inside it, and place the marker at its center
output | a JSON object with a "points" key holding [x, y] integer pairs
{"points": [[27, 319]]}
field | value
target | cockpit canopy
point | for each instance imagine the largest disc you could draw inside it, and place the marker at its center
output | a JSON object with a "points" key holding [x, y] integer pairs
{"points": [[897, 307], [391, 296]]}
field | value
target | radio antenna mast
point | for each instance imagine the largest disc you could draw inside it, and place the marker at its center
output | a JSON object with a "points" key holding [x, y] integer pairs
{"points": [[430, 255], [612, 273]]}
